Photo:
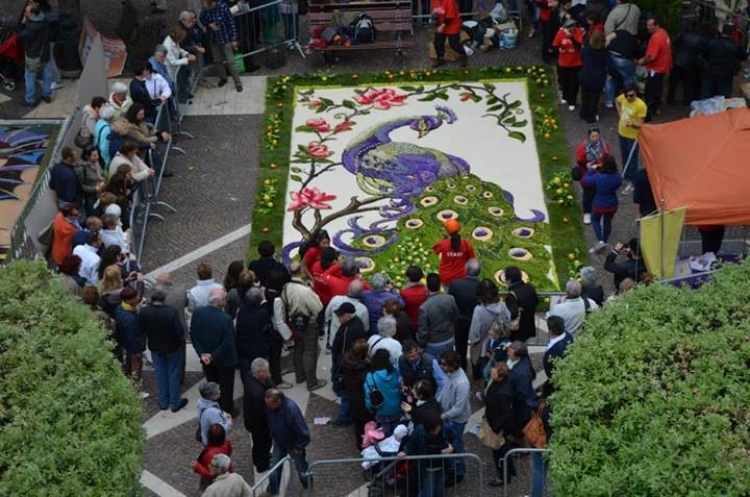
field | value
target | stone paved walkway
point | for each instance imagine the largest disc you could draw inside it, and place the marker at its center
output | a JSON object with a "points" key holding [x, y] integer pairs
{"points": [[212, 189]]}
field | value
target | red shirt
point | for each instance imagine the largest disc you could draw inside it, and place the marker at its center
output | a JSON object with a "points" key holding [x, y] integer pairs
{"points": [[447, 13], [312, 254], [201, 466], [595, 27], [453, 262], [544, 10], [569, 47], [660, 48], [414, 296], [339, 285]]}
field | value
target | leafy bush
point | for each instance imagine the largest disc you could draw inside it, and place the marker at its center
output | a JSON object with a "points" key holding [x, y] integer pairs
{"points": [[653, 398], [669, 11], [69, 420]]}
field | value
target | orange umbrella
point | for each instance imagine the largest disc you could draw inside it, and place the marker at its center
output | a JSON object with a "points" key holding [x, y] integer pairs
{"points": [[703, 164]]}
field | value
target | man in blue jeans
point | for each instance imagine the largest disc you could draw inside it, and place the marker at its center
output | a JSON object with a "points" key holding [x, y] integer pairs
{"points": [[34, 34], [165, 333], [454, 401], [290, 437]]}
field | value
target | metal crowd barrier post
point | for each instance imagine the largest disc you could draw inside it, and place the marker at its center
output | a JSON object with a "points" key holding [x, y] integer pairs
{"points": [[152, 189], [388, 476], [252, 22], [140, 210], [260, 485], [524, 450]]}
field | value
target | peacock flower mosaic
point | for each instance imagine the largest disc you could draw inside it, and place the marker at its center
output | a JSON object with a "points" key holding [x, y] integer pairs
{"points": [[382, 168]]}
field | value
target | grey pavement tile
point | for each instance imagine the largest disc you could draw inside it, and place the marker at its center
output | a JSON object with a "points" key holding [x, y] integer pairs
{"points": [[150, 405]]}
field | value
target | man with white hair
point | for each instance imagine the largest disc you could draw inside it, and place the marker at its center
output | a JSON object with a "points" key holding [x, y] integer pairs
{"points": [[384, 340], [256, 418], [226, 484], [119, 99], [574, 309], [353, 296], [212, 334], [102, 129], [374, 300]]}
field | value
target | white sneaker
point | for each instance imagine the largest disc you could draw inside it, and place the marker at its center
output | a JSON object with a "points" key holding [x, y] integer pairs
{"points": [[571, 108], [145, 395], [57, 86], [563, 101], [587, 218], [627, 190], [609, 105]]}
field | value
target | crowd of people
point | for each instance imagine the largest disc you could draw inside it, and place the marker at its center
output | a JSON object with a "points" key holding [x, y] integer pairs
{"points": [[399, 357]]}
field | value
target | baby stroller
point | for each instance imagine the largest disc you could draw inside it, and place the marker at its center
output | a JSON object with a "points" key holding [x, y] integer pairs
{"points": [[384, 475], [11, 55]]}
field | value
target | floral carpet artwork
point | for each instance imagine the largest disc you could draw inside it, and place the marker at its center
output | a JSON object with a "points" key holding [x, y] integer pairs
{"points": [[23, 148], [381, 166]]}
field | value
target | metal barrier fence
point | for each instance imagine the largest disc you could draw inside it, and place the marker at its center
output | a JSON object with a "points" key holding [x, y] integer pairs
{"points": [[538, 486], [262, 483], [21, 241], [394, 475], [259, 29]]}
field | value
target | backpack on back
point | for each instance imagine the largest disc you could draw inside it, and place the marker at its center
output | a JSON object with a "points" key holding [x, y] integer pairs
{"points": [[364, 29]]}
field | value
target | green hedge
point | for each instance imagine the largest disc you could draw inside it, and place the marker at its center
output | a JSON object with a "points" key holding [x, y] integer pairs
{"points": [[69, 420], [654, 398]]}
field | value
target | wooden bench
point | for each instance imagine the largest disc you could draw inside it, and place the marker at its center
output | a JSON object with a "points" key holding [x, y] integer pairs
{"points": [[392, 20]]}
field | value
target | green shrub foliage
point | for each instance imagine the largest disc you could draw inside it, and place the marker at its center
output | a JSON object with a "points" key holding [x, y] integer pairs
{"points": [[69, 420], [654, 397]]}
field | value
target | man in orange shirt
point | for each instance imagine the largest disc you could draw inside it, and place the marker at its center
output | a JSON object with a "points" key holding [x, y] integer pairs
{"points": [[658, 62], [448, 27]]}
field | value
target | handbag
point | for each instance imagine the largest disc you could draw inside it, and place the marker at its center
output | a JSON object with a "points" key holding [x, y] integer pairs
{"points": [[83, 142], [515, 323], [376, 396], [488, 437], [534, 429]]}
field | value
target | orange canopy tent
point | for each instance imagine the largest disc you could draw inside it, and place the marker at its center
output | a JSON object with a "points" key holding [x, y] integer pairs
{"points": [[703, 164]]}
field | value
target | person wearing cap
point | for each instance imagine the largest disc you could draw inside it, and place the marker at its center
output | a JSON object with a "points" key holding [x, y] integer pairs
{"points": [[119, 99], [454, 252], [164, 332], [354, 297], [569, 43], [350, 330]]}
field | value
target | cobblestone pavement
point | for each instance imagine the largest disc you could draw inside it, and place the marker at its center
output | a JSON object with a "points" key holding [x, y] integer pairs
{"points": [[212, 189]]}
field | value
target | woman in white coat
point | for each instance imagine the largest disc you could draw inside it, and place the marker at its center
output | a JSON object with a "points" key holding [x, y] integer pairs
{"points": [[177, 57]]}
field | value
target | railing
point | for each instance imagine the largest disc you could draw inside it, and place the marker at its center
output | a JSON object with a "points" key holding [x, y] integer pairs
{"points": [[260, 485], [258, 31], [21, 241], [539, 482], [389, 476]]}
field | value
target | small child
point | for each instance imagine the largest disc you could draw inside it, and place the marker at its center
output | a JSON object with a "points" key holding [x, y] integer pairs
{"points": [[385, 448], [493, 349]]}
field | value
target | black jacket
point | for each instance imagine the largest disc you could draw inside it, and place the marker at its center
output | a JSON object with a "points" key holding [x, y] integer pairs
{"points": [[354, 380], [554, 353], [464, 291], [499, 407], [527, 298], [410, 375], [631, 268], [254, 404], [346, 335], [64, 181], [686, 49], [724, 58], [162, 327], [35, 37], [262, 268], [418, 411], [252, 330], [139, 94]]}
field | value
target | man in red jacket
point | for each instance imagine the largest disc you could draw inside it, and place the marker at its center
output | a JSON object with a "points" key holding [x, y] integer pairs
{"points": [[448, 27], [414, 294]]}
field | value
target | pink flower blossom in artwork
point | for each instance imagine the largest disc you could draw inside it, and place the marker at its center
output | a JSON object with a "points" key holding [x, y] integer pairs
{"points": [[318, 150], [314, 102], [310, 197], [343, 126], [319, 124], [383, 98]]}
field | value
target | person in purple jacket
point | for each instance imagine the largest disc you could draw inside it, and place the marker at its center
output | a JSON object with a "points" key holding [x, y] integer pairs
{"points": [[606, 180]]}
